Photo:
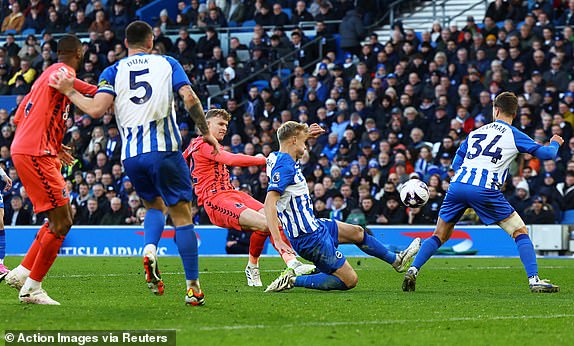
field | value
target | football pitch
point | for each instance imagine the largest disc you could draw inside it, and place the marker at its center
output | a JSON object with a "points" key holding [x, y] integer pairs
{"points": [[463, 301]]}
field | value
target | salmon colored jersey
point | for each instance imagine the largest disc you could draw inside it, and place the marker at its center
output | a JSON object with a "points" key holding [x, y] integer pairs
{"points": [[41, 117], [209, 172]]}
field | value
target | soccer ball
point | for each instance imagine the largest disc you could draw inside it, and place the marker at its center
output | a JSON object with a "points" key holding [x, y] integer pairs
{"points": [[414, 193]]}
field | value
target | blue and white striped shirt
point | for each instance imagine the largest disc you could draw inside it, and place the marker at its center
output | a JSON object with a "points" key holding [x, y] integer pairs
{"points": [[295, 207], [483, 158], [143, 86]]}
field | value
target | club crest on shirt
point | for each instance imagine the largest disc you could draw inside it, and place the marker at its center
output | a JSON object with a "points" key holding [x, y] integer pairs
{"points": [[276, 177]]}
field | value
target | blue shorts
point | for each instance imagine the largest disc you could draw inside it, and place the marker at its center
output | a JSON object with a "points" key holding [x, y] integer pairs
{"points": [[162, 174], [490, 205], [320, 247]]}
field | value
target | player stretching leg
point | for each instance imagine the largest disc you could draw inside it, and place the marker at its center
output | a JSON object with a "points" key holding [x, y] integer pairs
{"points": [[141, 88], [226, 207], [3, 269], [481, 166], [38, 153], [288, 203]]}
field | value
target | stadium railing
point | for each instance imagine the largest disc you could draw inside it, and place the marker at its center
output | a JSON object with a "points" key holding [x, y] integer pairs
{"points": [[273, 67]]}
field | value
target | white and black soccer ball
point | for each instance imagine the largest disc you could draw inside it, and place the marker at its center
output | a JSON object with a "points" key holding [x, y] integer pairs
{"points": [[414, 193]]}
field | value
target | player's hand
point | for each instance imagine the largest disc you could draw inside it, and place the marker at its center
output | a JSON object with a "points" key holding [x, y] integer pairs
{"points": [[382, 219], [65, 156], [8, 182], [282, 247], [557, 139], [414, 211], [315, 130], [209, 139], [62, 82]]}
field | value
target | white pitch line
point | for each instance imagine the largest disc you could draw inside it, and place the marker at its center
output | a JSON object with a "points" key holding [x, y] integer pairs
{"points": [[381, 322], [278, 271]]}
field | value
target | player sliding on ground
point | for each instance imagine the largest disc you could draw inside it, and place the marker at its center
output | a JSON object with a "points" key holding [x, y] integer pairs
{"points": [[481, 166], [141, 88], [38, 154], [288, 204], [227, 207]]}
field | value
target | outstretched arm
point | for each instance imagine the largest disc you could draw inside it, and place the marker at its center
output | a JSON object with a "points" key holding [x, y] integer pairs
{"points": [[95, 107], [549, 152], [525, 144], [273, 222], [231, 159]]}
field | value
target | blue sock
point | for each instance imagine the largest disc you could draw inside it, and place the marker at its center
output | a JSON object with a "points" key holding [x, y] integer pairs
{"points": [[2, 244], [428, 249], [371, 246], [154, 223], [320, 281], [186, 242], [527, 254]]}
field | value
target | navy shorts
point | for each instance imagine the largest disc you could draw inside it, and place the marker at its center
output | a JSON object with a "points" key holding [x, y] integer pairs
{"points": [[490, 205], [160, 174], [320, 247]]}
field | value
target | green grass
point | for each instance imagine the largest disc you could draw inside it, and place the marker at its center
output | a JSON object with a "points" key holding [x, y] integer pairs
{"points": [[458, 301]]}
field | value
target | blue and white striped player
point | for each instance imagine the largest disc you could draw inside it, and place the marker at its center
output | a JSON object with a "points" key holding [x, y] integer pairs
{"points": [[3, 269], [288, 203], [141, 88], [481, 166]]}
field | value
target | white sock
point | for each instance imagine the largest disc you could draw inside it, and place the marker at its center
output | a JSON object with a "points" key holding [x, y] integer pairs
{"points": [[294, 263], [22, 270], [194, 284], [252, 265], [31, 285], [533, 279], [150, 248]]}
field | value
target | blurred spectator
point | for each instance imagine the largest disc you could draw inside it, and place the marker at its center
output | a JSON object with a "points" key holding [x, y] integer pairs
{"points": [[300, 14], [16, 215], [352, 32], [55, 24], [521, 198], [205, 45], [12, 48], [26, 71], [235, 12], [13, 22], [116, 215], [265, 16], [538, 213], [119, 18], [92, 214], [100, 24], [237, 242], [565, 196]]}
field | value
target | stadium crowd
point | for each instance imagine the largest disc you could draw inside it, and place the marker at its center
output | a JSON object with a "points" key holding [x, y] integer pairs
{"points": [[392, 110]]}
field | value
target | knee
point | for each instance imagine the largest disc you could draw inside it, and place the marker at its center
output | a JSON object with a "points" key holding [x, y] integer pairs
{"points": [[442, 237], [522, 230], [351, 281], [181, 214], [62, 226], [358, 234]]}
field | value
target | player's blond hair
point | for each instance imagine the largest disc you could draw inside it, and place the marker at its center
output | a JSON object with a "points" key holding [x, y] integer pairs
{"points": [[218, 113], [291, 129]]}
